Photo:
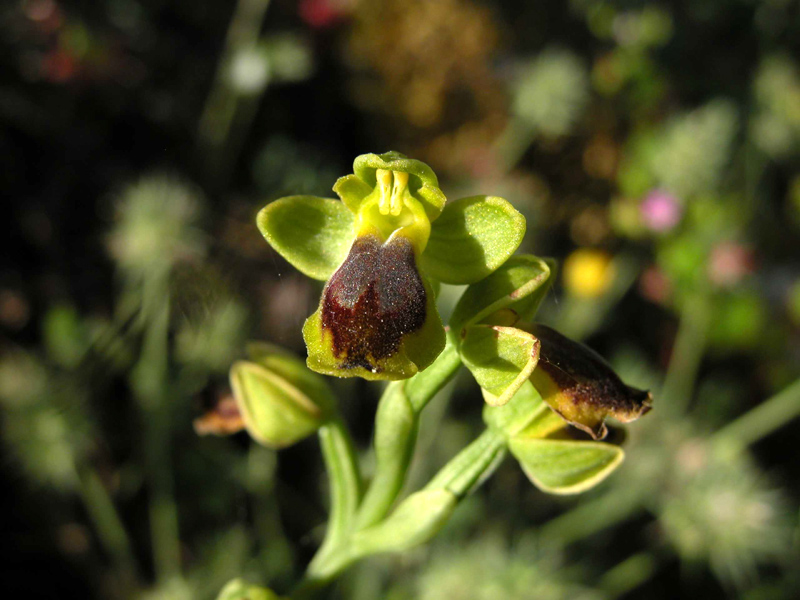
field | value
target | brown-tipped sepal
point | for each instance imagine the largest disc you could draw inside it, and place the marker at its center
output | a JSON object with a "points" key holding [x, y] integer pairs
{"points": [[377, 318], [581, 387]]}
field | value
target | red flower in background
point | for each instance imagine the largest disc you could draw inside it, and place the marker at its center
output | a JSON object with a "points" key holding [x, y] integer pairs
{"points": [[320, 14]]}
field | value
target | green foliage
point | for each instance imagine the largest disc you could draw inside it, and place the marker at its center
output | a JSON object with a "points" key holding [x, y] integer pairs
{"points": [[240, 590]]}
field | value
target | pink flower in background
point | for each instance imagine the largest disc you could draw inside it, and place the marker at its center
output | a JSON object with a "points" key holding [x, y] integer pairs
{"points": [[661, 211], [655, 285], [729, 263]]}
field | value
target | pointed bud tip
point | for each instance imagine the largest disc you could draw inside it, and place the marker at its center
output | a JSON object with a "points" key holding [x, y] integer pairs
{"points": [[581, 387]]}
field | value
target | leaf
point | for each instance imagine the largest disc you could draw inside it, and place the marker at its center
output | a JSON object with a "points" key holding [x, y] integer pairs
{"points": [[519, 285], [500, 358], [472, 238], [565, 467], [313, 234]]}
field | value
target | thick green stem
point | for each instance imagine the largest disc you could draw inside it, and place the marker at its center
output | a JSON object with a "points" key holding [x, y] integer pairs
{"points": [[396, 424], [396, 431], [762, 420], [395, 434], [424, 386], [416, 519], [470, 467], [345, 484]]}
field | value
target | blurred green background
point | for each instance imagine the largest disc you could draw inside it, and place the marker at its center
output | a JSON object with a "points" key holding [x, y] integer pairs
{"points": [[654, 149]]}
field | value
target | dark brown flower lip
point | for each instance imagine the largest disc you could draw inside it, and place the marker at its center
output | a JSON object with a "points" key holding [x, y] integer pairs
{"points": [[587, 383], [376, 297]]}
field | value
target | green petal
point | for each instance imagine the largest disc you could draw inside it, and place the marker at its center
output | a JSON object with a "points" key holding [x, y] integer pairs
{"points": [[472, 238], [565, 467], [313, 234], [500, 358], [519, 285], [352, 191]]}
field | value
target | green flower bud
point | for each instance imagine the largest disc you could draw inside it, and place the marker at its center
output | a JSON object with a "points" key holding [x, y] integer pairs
{"points": [[378, 250], [581, 387], [280, 400]]}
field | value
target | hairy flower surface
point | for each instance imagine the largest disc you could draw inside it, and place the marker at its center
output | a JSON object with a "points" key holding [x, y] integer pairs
{"points": [[379, 250]]}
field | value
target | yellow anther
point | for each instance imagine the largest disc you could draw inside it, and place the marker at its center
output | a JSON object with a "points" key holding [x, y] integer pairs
{"points": [[384, 178], [398, 192]]}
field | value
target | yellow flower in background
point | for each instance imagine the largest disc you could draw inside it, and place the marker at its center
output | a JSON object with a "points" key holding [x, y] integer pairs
{"points": [[588, 273]]}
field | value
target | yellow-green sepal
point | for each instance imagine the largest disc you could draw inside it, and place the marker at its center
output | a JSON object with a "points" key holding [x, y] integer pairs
{"points": [[500, 358], [274, 413], [472, 238], [292, 369], [312, 234]]}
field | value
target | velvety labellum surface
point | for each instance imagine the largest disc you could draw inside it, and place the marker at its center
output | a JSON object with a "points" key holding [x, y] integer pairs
{"points": [[374, 299]]}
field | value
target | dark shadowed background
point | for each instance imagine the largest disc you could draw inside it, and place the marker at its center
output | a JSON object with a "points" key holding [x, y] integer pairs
{"points": [[653, 147]]}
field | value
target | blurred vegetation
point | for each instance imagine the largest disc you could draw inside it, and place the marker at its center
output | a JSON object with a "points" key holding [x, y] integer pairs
{"points": [[654, 149]]}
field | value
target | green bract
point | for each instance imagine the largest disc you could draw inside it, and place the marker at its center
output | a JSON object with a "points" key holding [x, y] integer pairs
{"points": [[381, 250], [565, 467], [536, 437]]}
